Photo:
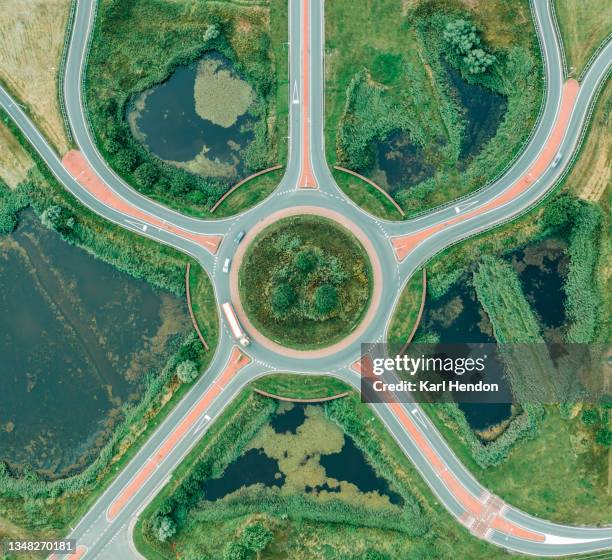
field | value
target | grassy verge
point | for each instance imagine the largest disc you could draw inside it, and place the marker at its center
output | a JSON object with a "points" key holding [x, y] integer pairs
{"points": [[406, 312], [366, 196], [584, 25], [294, 386], [249, 194], [313, 278], [204, 307]]}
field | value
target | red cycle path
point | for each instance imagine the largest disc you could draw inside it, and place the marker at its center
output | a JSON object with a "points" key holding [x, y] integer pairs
{"points": [[76, 164], [404, 244], [483, 513], [76, 555], [307, 179], [236, 362]]}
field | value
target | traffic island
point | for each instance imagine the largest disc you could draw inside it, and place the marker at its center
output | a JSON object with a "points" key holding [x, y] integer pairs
{"points": [[305, 282]]}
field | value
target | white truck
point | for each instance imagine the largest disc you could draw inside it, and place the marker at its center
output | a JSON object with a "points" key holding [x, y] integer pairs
{"points": [[235, 326]]}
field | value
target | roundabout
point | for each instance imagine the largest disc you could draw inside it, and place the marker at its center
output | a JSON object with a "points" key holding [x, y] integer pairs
{"points": [[285, 267]]}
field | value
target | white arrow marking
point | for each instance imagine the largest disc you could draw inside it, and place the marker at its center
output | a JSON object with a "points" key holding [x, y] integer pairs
{"points": [[138, 225], [202, 423], [462, 207], [417, 415], [296, 98]]}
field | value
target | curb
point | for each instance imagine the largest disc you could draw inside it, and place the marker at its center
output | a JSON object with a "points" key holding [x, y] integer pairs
{"points": [[289, 399]]}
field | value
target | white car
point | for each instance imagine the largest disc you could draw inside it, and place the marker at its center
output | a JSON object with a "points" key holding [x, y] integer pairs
{"points": [[557, 159], [226, 265]]}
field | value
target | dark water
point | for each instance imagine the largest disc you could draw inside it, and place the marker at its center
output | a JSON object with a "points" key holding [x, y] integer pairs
{"points": [[400, 163], [255, 467], [289, 421], [542, 268], [173, 131], [75, 338], [252, 467], [458, 317], [483, 111], [349, 464]]}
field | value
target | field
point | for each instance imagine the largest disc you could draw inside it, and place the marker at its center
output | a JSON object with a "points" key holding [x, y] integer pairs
{"points": [[402, 115], [300, 386], [584, 25], [31, 43], [136, 49], [313, 278], [14, 161]]}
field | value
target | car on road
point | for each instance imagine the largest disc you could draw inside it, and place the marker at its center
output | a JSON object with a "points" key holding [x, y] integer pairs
{"points": [[557, 159], [226, 265], [239, 236]]}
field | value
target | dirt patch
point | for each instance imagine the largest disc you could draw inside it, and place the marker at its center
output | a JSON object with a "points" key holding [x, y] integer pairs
{"points": [[31, 42], [14, 161]]}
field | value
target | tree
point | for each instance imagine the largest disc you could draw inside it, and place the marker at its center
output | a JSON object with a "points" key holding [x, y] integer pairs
{"points": [[590, 416], [256, 537], [326, 299], [283, 298], [604, 437], [58, 218], [464, 40], [186, 371], [305, 261], [164, 527]]}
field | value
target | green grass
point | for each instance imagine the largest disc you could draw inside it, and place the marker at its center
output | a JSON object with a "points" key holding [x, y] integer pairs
{"points": [[563, 450], [140, 45], [249, 194], [366, 196], [294, 386], [204, 305], [270, 262], [301, 537], [163, 267], [384, 73], [584, 25], [406, 312]]}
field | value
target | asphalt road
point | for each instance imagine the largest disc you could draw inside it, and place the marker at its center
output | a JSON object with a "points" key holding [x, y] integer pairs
{"points": [[104, 536]]}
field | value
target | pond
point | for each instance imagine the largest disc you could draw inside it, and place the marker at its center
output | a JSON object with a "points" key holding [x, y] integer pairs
{"points": [[198, 118], [458, 317], [300, 450], [542, 268], [399, 163], [483, 111], [76, 336]]}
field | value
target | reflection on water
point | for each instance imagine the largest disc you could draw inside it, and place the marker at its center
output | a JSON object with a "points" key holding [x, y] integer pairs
{"points": [[75, 337]]}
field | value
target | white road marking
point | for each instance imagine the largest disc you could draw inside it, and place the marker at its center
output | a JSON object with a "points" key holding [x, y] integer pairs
{"points": [[296, 98]]}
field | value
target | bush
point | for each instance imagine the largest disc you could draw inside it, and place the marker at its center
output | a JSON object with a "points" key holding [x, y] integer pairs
{"points": [[590, 416], [187, 371], [234, 551], [326, 299], [256, 537], [283, 298], [163, 528]]}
